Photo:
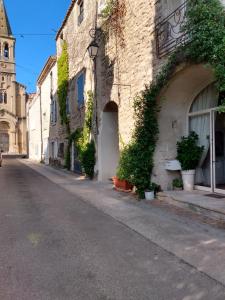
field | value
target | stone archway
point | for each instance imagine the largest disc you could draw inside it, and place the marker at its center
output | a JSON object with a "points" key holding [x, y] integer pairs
{"points": [[4, 136], [108, 142], [175, 101]]}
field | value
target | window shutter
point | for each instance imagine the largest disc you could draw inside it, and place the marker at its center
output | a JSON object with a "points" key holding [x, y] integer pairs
{"points": [[80, 90]]}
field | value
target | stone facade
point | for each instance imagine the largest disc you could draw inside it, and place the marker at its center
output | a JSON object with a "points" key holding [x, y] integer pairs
{"points": [[120, 73], [13, 132], [126, 62], [75, 31]]}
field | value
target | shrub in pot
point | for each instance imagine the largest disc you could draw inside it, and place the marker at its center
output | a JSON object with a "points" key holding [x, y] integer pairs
{"points": [[151, 190], [189, 154], [122, 180], [177, 184]]}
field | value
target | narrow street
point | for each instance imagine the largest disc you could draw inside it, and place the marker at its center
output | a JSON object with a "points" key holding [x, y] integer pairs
{"points": [[56, 246]]}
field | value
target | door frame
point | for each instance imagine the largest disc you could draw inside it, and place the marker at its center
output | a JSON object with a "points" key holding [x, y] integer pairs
{"points": [[212, 121], [215, 189]]}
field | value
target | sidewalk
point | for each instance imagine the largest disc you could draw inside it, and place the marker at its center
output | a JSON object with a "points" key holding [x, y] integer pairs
{"points": [[200, 245]]}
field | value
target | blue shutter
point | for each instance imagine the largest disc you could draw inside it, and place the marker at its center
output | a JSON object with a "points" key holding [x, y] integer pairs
{"points": [[80, 90], [67, 106]]}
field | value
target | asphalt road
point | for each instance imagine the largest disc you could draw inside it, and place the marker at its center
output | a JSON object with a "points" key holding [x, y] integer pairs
{"points": [[55, 246]]}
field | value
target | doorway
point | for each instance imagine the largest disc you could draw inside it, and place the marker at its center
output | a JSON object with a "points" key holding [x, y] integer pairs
{"points": [[108, 143], [210, 173], [218, 157], [4, 137]]}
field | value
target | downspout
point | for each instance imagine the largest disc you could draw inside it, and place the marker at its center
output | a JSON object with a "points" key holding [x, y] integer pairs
{"points": [[95, 73], [40, 95]]}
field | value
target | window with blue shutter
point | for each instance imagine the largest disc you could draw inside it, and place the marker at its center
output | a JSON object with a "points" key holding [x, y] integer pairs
{"points": [[67, 106], [80, 90]]}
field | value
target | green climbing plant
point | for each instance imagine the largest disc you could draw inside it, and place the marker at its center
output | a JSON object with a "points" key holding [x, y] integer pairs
{"points": [[82, 139], [63, 81], [205, 25]]}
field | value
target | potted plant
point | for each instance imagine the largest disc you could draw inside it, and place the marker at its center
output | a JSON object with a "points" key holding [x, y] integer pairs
{"points": [[189, 154], [177, 184], [122, 179], [122, 184], [151, 191]]}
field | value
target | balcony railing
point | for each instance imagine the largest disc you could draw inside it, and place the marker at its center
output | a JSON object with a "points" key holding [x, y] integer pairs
{"points": [[168, 31]]}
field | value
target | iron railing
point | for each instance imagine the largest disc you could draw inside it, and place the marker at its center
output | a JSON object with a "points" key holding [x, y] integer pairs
{"points": [[169, 32]]}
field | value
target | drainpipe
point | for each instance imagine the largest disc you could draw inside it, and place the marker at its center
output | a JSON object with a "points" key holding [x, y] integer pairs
{"points": [[95, 72], [40, 95]]}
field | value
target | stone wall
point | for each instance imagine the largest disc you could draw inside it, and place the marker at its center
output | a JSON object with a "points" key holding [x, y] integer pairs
{"points": [[78, 38], [122, 71]]}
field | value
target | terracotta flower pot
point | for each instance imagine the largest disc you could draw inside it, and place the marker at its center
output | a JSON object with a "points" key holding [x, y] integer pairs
{"points": [[122, 184]]}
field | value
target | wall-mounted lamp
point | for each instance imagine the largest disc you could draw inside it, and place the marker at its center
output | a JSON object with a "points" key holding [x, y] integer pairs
{"points": [[93, 50]]}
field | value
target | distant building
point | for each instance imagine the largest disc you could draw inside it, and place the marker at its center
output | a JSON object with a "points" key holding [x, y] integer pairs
{"points": [[12, 94], [34, 127], [42, 113]]}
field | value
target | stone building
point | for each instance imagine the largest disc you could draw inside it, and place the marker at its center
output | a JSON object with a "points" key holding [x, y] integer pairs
{"points": [[42, 115], [13, 132], [47, 88], [129, 57], [150, 32], [115, 77], [76, 32]]}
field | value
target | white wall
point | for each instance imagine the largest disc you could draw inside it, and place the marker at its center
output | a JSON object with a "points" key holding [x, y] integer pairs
{"points": [[34, 129], [45, 88]]}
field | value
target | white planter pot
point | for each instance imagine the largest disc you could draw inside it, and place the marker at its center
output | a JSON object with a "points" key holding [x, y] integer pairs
{"points": [[149, 196], [188, 178]]}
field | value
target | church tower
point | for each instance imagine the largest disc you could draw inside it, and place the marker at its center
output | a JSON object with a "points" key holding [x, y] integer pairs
{"points": [[12, 94]]}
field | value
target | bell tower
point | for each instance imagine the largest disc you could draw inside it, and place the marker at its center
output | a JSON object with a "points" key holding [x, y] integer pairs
{"points": [[7, 60], [12, 94]]}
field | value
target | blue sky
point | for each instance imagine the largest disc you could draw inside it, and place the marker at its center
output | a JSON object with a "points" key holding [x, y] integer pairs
{"points": [[31, 17]]}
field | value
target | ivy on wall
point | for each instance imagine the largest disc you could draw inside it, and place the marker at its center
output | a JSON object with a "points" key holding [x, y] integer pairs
{"points": [[113, 14], [63, 81], [206, 28], [81, 138]]}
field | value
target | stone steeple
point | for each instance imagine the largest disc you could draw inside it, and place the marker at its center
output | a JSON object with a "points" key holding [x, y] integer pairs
{"points": [[5, 29]]}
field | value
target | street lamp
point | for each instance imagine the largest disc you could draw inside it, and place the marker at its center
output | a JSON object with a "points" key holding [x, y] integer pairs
{"points": [[93, 50]]}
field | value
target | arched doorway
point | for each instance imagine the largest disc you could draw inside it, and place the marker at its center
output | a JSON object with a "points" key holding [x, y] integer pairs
{"points": [[4, 136], [175, 101], [108, 142]]}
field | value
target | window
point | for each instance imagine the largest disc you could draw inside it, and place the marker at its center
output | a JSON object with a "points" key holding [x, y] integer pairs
{"points": [[169, 6], [6, 50], [61, 150], [51, 116], [67, 106], [80, 90], [52, 149], [3, 97], [51, 82], [53, 111], [81, 12], [101, 6]]}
